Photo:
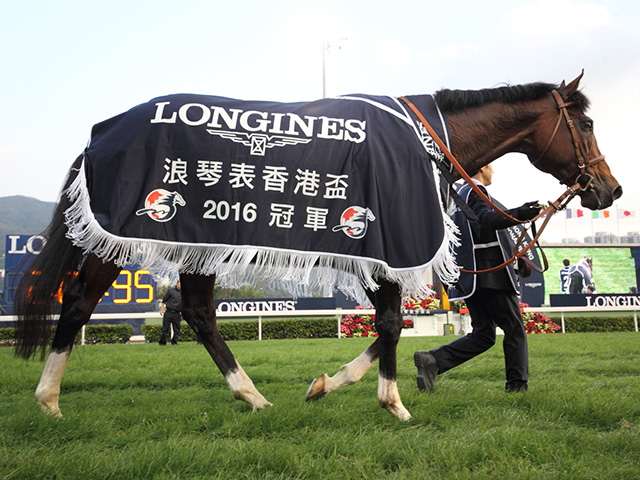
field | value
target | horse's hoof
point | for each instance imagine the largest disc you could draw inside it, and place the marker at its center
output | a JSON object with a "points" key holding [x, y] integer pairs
{"points": [[316, 390], [400, 412], [54, 412], [47, 405], [262, 406]]}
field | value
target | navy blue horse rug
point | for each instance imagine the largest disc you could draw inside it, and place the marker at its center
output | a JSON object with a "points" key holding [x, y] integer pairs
{"points": [[336, 192]]}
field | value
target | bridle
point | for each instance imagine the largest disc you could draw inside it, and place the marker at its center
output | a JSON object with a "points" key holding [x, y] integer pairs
{"points": [[581, 154], [553, 207]]}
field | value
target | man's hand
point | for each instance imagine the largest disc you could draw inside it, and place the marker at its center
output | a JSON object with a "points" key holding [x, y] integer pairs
{"points": [[528, 211]]}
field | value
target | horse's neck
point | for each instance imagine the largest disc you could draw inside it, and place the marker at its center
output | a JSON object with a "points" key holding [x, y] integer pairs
{"points": [[480, 135]]}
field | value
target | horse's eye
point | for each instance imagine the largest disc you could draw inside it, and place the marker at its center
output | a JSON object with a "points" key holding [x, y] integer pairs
{"points": [[587, 125]]}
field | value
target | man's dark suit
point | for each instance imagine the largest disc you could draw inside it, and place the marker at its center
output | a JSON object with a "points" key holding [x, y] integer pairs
{"points": [[492, 298]]}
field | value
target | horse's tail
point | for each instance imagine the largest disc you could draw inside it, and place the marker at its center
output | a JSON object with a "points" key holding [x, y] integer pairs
{"points": [[49, 274]]}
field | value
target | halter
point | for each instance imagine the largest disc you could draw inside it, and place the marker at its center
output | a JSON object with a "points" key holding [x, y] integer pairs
{"points": [[579, 148]]}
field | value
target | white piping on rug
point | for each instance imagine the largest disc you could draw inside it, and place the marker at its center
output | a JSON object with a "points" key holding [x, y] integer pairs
{"points": [[381, 106]]}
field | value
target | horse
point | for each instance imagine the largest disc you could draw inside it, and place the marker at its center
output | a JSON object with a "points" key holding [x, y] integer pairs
{"points": [[483, 125]]}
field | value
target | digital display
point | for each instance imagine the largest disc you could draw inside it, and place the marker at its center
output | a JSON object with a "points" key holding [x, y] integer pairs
{"points": [[133, 287]]}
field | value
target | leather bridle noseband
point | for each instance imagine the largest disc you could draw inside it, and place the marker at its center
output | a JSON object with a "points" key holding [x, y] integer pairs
{"points": [[581, 154]]}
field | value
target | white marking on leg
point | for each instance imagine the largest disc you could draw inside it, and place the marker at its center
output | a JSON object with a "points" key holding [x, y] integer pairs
{"points": [[389, 399], [348, 374], [243, 389], [48, 390]]}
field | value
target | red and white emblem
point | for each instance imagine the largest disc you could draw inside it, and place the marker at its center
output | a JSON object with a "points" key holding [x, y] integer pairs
{"points": [[354, 221], [160, 205]]}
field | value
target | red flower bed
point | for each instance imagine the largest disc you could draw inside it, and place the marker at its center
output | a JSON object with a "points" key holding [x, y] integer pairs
{"points": [[538, 322], [363, 325]]}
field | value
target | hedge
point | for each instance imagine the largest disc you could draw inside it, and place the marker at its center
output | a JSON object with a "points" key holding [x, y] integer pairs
{"points": [[248, 330], [93, 334], [7, 337], [103, 334], [598, 324], [294, 328]]}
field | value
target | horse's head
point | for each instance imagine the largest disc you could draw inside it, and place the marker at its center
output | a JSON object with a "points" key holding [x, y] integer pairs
{"points": [[566, 147]]}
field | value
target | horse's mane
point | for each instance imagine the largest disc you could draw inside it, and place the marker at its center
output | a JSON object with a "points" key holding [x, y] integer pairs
{"points": [[451, 101]]}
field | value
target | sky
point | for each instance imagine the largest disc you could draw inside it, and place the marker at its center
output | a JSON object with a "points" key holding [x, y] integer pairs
{"points": [[68, 65]]}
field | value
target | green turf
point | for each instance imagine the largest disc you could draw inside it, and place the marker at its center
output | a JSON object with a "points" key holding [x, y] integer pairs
{"points": [[144, 411]]}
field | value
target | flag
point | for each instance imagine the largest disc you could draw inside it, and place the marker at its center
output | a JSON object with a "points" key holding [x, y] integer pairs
{"points": [[574, 212], [622, 213], [601, 214]]}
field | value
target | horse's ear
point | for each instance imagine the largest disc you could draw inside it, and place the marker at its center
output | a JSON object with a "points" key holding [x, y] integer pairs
{"points": [[568, 90]]}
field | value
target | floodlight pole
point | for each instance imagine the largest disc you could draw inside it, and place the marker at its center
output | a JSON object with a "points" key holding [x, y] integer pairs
{"points": [[325, 48]]}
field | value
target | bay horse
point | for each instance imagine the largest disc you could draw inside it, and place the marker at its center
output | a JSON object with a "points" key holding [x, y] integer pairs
{"points": [[484, 125]]}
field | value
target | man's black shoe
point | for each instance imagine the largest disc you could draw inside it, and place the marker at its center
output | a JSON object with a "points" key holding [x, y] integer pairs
{"points": [[517, 387], [427, 370]]}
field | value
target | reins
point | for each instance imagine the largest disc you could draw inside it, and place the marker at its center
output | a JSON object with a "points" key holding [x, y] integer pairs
{"points": [[550, 210]]}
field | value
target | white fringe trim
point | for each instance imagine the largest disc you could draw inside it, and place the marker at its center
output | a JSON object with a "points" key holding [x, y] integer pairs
{"points": [[296, 271]]}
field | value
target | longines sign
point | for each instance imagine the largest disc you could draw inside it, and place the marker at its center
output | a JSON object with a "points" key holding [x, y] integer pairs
{"points": [[595, 300], [274, 304]]}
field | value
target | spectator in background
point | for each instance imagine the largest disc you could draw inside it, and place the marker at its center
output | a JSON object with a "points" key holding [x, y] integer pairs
{"points": [[170, 309], [564, 276]]}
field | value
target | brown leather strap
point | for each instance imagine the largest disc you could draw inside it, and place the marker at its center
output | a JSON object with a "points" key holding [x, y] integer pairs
{"points": [[456, 164], [519, 253], [581, 153]]}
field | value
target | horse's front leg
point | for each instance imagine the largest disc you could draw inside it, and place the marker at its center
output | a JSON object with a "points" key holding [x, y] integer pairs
{"points": [[199, 312], [388, 302]]}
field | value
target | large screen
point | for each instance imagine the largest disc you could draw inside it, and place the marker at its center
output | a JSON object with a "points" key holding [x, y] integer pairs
{"points": [[614, 268]]}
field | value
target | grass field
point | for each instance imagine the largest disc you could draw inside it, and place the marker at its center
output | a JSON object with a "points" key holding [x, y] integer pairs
{"points": [[142, 411]]}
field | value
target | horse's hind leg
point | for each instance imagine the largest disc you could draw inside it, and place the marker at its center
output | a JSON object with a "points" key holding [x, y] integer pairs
{"points": [[388, 301], [78, 302], [348, 374], [199, 312]]}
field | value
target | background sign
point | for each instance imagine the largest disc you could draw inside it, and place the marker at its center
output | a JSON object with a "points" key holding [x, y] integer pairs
{"points": [[258, 305], [595, 301], [132, 291]]}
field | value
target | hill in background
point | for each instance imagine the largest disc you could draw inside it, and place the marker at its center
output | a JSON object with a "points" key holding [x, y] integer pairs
{"points": [[22, 215]]}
